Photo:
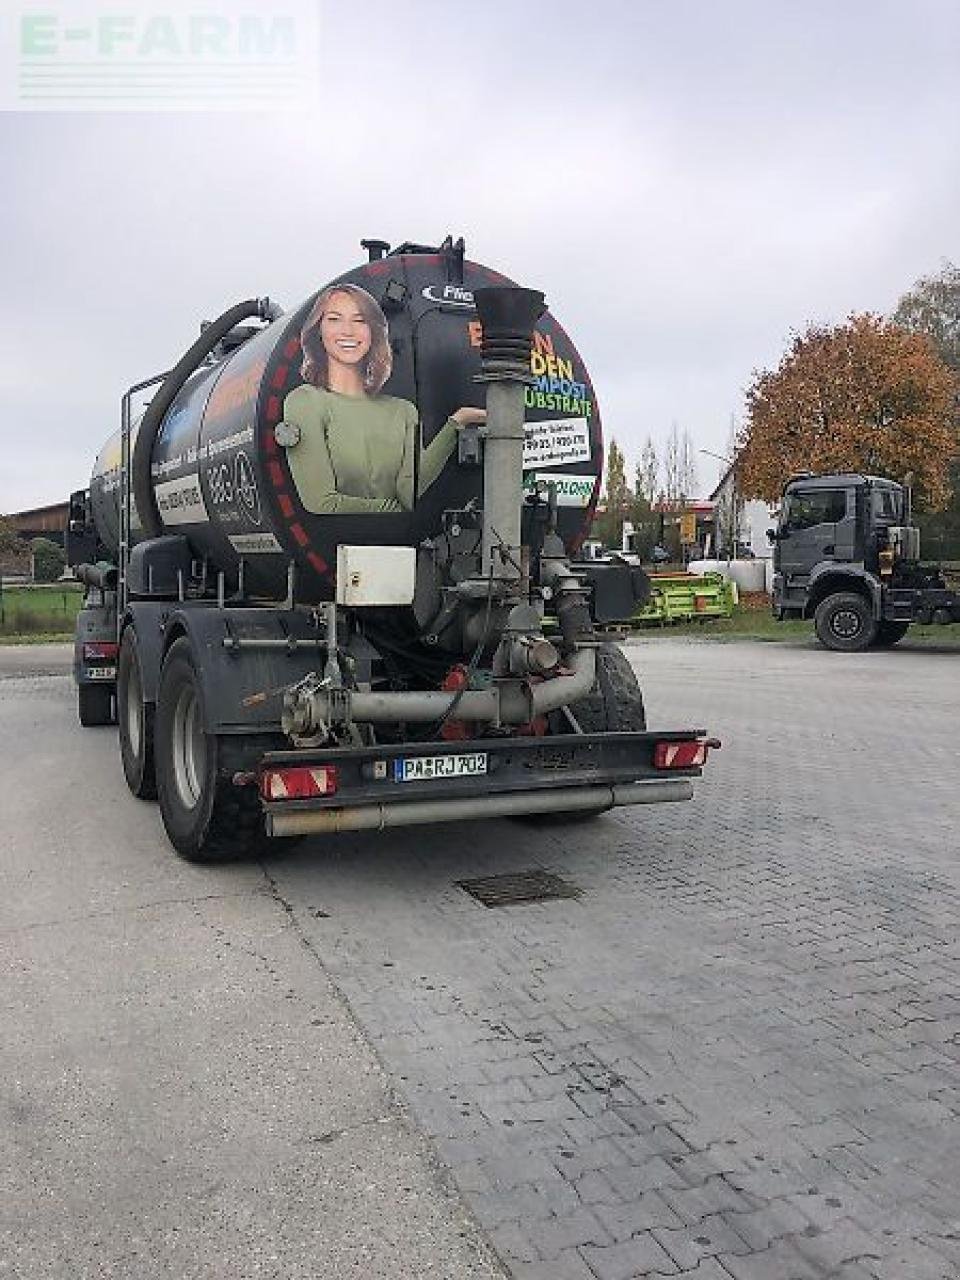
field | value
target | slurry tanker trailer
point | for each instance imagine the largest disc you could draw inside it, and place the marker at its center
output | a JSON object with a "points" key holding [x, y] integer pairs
{"points": [[330, 574]]}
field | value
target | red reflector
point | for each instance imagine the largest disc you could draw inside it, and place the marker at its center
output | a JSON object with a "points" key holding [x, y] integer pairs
{"points": [[101, 649], [300, 782], [680, 755]]}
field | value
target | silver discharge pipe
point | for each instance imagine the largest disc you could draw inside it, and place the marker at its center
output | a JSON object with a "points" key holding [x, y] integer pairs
{"points": [[308, 709], [502, 481]]}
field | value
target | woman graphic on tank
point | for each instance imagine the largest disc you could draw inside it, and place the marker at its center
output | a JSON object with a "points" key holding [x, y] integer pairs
{"points": [[351, 449]]}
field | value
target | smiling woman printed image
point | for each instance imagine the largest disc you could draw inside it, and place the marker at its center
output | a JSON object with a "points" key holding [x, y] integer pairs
{"points": [[353, 449]]}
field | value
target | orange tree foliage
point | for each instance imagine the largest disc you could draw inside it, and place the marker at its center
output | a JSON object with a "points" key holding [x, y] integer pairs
{"points": [[862, 396]]}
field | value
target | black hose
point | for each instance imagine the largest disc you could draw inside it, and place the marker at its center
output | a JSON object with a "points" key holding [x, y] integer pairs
{"points": [[171, 386]]}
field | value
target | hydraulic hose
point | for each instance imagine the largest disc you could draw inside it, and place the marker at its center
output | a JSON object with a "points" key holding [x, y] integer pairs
{"points": [[189, 362]]}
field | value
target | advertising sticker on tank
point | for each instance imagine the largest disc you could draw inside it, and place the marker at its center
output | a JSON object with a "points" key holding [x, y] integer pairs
{"points": [[571, 490], [352, 448], [180, 501], [556, 441]]}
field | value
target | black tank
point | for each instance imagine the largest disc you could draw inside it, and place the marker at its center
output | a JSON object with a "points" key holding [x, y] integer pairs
{"points": [[237, 458]]}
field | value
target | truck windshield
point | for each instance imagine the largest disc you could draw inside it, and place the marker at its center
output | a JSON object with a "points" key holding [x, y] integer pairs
{"points": [[887, 506], [805, 509]]}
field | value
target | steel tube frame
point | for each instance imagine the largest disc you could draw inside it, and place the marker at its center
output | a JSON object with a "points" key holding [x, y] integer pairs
{"points": [[377, 817]]}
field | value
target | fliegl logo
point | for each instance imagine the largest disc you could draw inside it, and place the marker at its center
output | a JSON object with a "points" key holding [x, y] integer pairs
{"points": [[185, 55], [448, 295]]}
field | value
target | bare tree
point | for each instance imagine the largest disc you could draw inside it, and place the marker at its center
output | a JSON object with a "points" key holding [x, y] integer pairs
{"points": [[690, 480], [679, 465], [648, 472]]}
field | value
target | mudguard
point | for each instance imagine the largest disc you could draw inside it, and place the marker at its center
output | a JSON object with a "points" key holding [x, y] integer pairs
{"points": [[829, 577], [243, 687]]}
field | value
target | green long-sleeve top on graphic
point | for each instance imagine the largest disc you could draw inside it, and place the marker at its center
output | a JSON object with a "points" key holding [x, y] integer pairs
{"points": [[357, 453]]}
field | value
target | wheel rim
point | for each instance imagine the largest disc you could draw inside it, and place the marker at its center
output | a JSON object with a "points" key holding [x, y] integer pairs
{"points": [[846, 624], [134, 710], [189, 747]]}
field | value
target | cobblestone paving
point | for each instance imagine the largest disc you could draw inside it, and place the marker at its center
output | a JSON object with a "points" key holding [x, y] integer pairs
{"points": [[738, 1054]]}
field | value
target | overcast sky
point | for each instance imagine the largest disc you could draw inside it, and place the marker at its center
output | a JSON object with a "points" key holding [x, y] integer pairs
{"points": [[687, 182]]}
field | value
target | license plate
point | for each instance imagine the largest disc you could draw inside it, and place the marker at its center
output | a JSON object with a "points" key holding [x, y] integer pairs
{"points": [[424, 768], [100, 673]]}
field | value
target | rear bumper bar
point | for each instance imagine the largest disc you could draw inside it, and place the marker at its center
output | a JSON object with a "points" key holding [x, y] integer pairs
{"points": [[522, 775]]}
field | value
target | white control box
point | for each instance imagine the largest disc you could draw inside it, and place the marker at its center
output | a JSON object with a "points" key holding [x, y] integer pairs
{"points": [[375, 576]]}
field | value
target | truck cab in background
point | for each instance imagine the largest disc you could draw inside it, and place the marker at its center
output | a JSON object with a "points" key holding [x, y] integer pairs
{"points": [[847, 555]]}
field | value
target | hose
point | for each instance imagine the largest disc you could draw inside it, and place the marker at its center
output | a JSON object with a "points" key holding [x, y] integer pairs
{"points": [[170, 388]]}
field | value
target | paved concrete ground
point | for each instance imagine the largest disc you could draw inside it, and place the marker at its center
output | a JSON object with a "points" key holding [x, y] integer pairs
{"points": [[182, 1092], [736, 1055], [35, 660]]}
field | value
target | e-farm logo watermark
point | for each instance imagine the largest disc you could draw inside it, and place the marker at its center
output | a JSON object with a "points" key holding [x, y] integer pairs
{"points": [[183, 55]]}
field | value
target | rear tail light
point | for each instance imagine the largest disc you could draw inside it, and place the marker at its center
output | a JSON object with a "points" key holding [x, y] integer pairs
{"points": [[100, 649], [685, 754], [299, 782]]}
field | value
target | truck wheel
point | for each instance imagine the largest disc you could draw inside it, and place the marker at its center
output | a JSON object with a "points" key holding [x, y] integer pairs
{"points": [[614, 705], [890, 633], [845, 622], [135, 721], [207, 817], [94, 705]]}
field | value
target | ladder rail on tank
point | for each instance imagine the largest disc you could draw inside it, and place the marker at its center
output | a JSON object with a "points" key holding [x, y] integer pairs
{"points": [[125, 495]]}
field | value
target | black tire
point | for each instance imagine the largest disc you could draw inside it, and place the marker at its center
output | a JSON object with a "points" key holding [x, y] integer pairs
{"points": [[845, 623], [614, 705], [207, 818], [890, 633], [135, 721], [94, 705]]}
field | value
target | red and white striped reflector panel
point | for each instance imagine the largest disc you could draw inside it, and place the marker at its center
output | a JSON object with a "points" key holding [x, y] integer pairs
{"points": [[301, 782], [680, 755], [100, 649]]}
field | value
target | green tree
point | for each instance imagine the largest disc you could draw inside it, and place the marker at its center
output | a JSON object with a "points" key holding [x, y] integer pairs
{"points": [[618, 499], [10, 541], [48, 560], [932, 308], [646, 525]]}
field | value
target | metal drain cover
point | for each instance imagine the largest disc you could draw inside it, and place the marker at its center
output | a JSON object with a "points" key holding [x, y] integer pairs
{"points": [[520, 886]]}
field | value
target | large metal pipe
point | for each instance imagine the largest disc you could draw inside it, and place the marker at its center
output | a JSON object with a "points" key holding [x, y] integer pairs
{"points": [[561, 691], [377, 817], [502, 481], [305, 712], [507, 317]]}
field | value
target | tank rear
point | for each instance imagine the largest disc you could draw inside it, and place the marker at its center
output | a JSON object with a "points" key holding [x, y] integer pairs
{"points": [[258, 459]]}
